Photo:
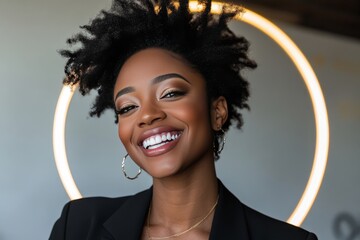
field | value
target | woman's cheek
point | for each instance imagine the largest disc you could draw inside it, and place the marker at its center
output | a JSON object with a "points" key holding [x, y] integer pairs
{"points": [[122, 131]]}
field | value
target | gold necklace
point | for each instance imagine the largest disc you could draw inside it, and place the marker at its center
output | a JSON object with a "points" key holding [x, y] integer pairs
{"points": [[180, 233]]}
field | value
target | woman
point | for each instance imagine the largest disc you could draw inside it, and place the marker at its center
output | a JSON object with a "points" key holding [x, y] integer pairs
{"points": [[173, 80]]}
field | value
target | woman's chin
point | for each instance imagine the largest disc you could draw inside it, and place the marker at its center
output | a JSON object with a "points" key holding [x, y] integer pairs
{"points": [[163, 173]]}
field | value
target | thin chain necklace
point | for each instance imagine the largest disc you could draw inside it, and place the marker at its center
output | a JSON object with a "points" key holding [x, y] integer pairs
{"points": [[180, 233]]}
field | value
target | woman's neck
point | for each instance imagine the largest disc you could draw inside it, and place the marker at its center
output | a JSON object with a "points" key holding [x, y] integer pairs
{"points": [[180, 201]]}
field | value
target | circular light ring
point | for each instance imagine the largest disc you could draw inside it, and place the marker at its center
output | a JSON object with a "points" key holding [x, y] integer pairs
{"points": [[303, 66], [61, 161]]}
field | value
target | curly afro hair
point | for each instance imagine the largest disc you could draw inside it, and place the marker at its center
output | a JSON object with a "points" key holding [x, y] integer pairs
{"points": [[202, 39]]}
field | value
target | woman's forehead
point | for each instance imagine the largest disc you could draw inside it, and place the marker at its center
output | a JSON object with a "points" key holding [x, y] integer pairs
{"points": [[152, 62]]}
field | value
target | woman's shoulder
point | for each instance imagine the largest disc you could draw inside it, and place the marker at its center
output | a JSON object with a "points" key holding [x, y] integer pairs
{"points": [[84, 218], [262, 226], [254, 224], [94, 205], [92, 218], [86, 213]]}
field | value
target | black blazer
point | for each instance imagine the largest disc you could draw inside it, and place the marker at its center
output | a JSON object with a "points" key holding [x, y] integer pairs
{"points": [[123, 219]]}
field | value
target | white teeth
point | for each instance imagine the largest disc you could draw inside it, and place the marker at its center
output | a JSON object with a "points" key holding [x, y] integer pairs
{"points": [[163, 137], [156, 146], [159, 140]]}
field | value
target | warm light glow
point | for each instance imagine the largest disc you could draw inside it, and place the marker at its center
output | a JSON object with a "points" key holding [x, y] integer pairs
{"points": [[305, 70], [59, 142]]}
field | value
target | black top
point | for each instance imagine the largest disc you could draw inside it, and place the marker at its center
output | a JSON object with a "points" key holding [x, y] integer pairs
{"points": [[124, 218]]}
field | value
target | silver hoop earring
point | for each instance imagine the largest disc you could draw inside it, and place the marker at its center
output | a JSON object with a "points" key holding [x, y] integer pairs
{"points": [[222, 142], [123, 169]]}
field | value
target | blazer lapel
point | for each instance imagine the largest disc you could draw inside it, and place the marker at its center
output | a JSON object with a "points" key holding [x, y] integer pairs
{"points": [[229, 219], [128, 221]]}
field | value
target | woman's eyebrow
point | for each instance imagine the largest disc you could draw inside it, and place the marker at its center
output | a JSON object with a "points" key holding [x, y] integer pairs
{"points": [[156, 80], [124, 91], [164, 77]]}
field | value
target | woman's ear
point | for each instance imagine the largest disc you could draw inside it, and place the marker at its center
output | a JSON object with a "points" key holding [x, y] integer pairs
{"points": [[219, 113]]}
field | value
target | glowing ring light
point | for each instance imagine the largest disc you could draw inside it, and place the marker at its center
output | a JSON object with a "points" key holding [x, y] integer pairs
{"points": [[303, 66]]}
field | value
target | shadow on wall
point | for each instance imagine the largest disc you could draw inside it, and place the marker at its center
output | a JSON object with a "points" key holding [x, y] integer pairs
{"points": [[346, 227]]}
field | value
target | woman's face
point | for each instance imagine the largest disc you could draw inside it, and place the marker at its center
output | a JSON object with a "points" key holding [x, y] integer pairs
{"points": [[163, 113]]}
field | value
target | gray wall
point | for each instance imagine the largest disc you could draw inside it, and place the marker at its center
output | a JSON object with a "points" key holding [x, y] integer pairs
{"points": [[266, 164]]}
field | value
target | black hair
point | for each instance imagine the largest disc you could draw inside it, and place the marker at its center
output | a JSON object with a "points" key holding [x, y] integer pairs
{"points": [[203, 39]]}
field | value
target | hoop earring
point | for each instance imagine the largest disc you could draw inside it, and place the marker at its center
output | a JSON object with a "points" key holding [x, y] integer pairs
{"points": [[124, 171], [222, 142]]}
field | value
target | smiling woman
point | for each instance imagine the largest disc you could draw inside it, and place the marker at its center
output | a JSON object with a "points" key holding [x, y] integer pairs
{"points": [[173, 80], [167, 100]]}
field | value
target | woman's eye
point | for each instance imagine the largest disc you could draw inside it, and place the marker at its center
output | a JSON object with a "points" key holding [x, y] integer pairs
{"points": [[173, 94], [125, 110]]}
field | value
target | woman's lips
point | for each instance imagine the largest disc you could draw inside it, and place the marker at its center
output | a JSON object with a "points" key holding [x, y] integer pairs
{"points": [[160, 148], [160, 140], [157, 140], [155, 131]]}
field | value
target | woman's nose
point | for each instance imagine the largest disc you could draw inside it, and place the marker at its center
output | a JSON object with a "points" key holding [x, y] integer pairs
{"points": [[150, 113]]}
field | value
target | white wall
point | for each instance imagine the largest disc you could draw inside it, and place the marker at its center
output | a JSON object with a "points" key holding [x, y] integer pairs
{"points": [[266, 164]]}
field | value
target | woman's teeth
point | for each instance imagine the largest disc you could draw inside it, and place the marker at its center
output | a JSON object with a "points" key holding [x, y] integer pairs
{"points": [[159, 140]]}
